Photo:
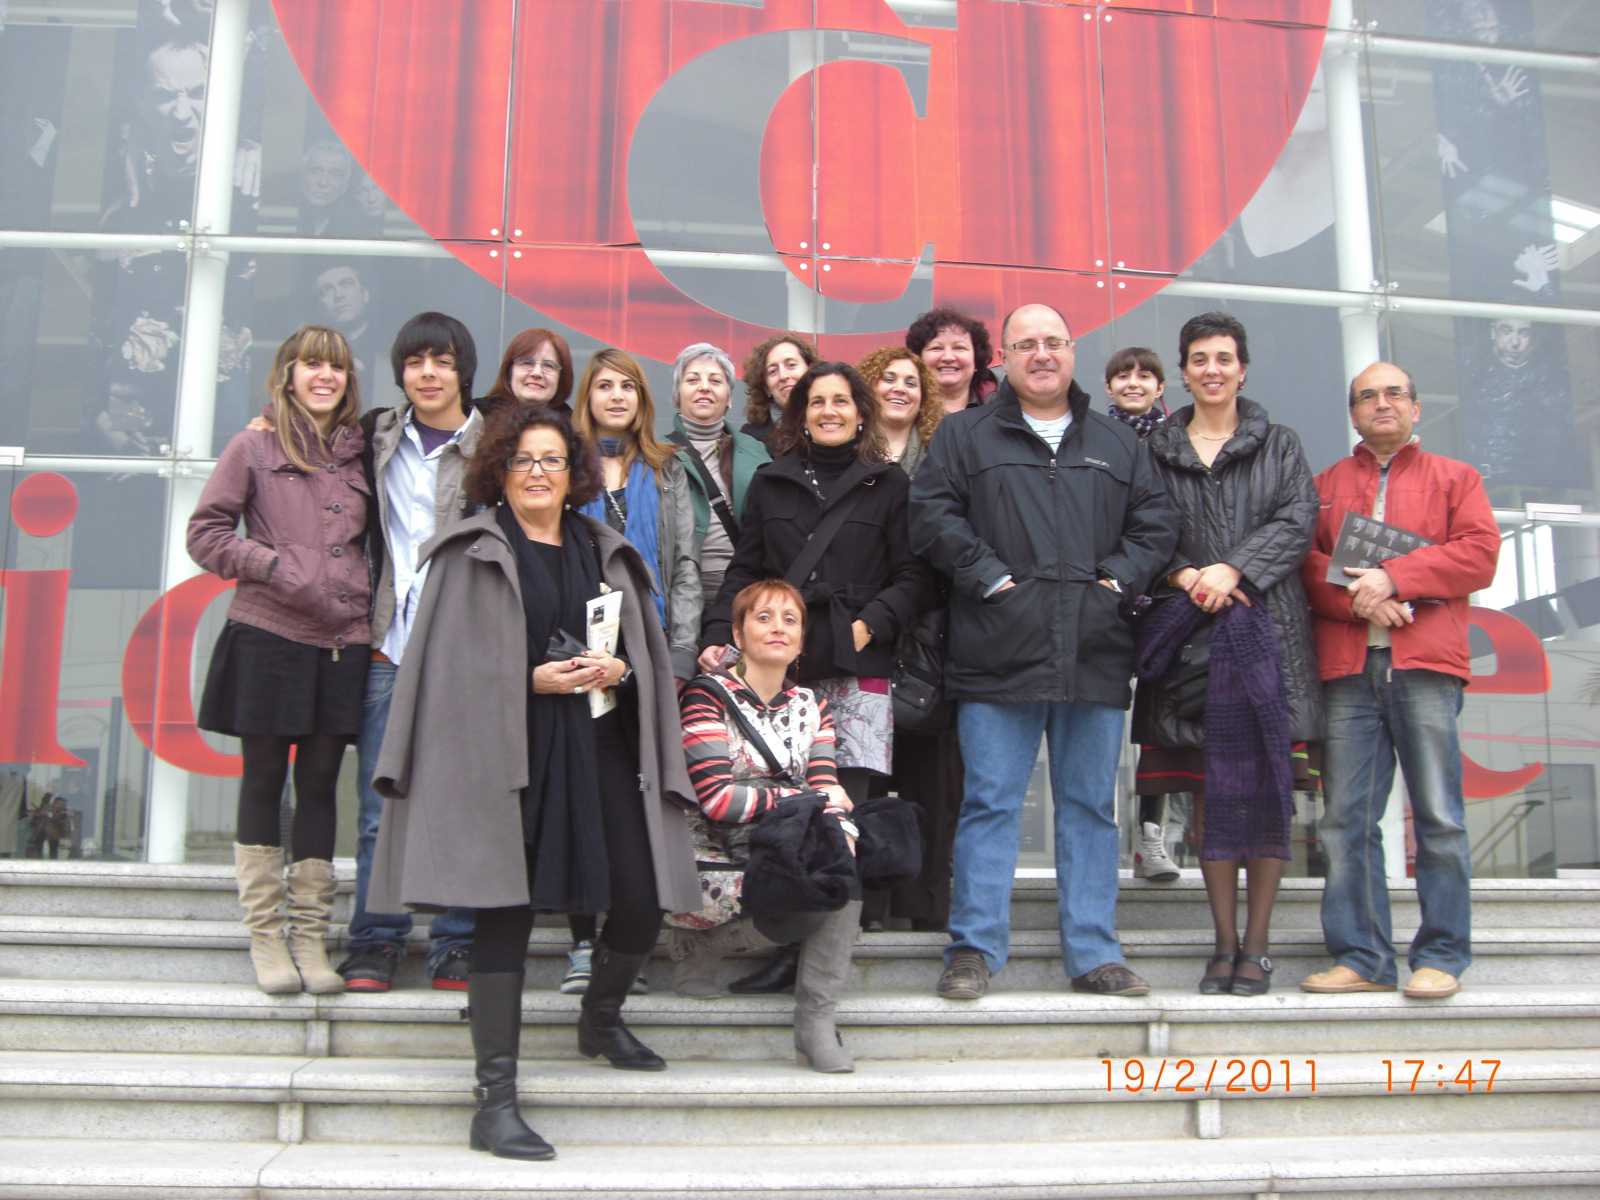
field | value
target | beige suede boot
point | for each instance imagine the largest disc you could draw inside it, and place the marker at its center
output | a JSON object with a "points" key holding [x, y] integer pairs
{"points": [[260, 873], [311, 887]]}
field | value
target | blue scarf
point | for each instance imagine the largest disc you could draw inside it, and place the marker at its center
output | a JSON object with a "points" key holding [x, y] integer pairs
{"points": [[642, 495]]}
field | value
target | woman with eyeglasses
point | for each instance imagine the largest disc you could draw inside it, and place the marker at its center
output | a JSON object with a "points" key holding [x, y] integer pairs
{"points": [[519, 799], [535, 369], [1236, 725]]}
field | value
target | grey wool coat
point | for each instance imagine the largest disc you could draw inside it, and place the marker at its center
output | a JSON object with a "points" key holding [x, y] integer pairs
{"points": [[454, 758]]}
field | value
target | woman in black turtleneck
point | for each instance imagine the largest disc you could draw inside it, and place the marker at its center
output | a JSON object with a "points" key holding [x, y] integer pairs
{"points": [[867, 587]]}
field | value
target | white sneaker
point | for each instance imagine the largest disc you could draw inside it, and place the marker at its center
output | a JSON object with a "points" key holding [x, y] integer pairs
{"points": [[1150, 860]]}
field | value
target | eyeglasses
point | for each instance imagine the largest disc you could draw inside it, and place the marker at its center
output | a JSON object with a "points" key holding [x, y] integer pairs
{"points": [[550, 464], [1394, 393], [1028, 345], [543, 365]]}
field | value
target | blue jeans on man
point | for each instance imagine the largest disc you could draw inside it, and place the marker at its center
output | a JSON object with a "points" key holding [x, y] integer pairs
{"points": [[448, 930], [1373, 718], [1000, 744]]}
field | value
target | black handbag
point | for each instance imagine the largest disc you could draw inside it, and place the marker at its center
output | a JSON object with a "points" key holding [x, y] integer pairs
{"points": [[889, 844], [916, 686], [1187, 677]]}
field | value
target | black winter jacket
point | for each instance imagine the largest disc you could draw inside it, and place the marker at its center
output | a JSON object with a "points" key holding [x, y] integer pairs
{"points": [[990, 500], [1254, 508], [867, 572]]}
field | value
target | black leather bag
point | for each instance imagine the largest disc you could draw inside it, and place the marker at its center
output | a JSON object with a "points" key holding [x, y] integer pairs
{"points": [[1187, 676], [916, 687], [889, 845]]}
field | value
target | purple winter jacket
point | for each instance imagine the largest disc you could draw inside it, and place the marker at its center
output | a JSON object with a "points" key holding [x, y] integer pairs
{"points": [[302, 563]]}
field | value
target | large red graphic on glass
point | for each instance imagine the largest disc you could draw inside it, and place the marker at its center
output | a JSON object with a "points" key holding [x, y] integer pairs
{"points": [[584, 154]]}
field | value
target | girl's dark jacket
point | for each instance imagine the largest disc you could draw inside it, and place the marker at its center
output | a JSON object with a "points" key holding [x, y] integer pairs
{"points": [[1254, 508], [868, 571]]}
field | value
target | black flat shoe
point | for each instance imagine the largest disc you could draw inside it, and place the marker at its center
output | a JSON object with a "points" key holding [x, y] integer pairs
{"points": [[1218, 985], [1252, 987]]}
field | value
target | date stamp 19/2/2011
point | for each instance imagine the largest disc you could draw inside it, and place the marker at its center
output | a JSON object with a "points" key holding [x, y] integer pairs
{"points": [[1201, 1076]]}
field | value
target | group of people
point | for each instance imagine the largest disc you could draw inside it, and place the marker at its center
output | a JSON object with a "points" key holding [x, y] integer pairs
{"points": [[587, 668]]}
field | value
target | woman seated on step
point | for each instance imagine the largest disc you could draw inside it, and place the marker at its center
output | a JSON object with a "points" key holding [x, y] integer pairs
{"points": [[737, 781]]}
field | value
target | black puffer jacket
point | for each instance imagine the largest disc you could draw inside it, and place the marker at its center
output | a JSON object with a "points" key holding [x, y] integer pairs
{"points": [[990, 500], [1255, 509], [867, 572]]}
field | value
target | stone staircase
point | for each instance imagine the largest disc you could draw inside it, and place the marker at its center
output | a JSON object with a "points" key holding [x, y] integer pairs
{"points": [[138, 1060]]}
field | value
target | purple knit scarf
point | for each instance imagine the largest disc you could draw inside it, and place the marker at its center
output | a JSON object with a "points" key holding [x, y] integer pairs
{"points": [[1249, 783]]}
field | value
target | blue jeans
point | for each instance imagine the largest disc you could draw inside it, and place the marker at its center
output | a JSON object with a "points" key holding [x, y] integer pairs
{"points": [[1000, 743], [1373, 718], [448, 930]]}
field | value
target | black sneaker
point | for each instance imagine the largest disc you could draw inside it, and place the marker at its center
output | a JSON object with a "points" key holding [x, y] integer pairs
{"points": [[450, 975], [966, 977], [1110, 979], [370, 969]]}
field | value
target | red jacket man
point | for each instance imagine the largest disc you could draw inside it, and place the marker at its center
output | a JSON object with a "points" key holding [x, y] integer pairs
{"points": [[1392, 649]]}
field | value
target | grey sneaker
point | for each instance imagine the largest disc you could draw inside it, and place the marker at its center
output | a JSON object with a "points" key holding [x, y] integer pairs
{"points": [[580, 960], [1110, 979], [1150, 860], [966, 977]]}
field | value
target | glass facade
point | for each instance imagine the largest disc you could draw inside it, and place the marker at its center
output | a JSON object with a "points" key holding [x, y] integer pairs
{"points": [[182, 182]]}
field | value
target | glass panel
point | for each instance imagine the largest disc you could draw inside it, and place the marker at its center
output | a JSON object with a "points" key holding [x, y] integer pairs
{"points": [[1562, 25]]}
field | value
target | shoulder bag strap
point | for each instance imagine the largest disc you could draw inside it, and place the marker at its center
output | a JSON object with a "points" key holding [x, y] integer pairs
{"points": [[719, 501], [752, 735], [817, 544]]}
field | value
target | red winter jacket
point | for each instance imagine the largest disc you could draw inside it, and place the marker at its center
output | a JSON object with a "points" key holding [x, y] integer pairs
{"points": [[1438, 498]]}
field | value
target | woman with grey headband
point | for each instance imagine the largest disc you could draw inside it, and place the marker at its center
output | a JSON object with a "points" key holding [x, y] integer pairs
{"points": [[718, 460]]}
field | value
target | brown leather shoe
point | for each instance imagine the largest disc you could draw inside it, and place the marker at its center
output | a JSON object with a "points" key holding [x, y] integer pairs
{"points": [[1430, 983], [1339, 979]]}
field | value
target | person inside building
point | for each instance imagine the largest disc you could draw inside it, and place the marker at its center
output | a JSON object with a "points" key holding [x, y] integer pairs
{"points": [[1135, 385], [770, 372], [957, 350], [1392, 648], [647, 499], [1242, 736], [535, 369], [290, 666], [724, 710], [505, 790], [718, 462]]}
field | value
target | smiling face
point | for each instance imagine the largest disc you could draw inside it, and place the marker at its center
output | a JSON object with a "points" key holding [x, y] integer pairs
{"points": [[705, 391], [1135, 390], [534, 495], [785, 365], [1039, 375], [534, 376], [832, 418], [318, 387], [772, 632], [1213, 371], [433, 386], [900, 394], [613, 402], [951, 359]]}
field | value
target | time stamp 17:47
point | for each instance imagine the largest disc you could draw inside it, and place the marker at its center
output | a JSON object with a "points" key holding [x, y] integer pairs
{"points": [[1260, 1075]]}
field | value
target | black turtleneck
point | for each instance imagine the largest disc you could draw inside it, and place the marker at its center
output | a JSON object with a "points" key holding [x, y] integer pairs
{"points": [[828, 463]]}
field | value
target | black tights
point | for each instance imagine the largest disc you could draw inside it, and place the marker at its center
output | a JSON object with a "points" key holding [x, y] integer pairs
{"points": [[1153, 810], [316, 778]]}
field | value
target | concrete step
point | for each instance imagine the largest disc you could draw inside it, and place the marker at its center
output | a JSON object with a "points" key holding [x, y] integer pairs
{"points": [[157, 949], [223, 1018], [713, 1104], [207, 893], [1502, 1166]]}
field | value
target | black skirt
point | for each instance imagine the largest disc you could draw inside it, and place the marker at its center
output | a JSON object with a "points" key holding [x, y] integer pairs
{"points": [[262, 684]]}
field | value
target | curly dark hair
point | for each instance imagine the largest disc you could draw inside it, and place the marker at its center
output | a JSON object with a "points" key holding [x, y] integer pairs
{"points": [[485, 482], [926, 327], [758, 402], [790, 437]]}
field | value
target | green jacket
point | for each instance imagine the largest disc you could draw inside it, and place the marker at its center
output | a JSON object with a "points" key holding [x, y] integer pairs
{"points": [[748, 454]]}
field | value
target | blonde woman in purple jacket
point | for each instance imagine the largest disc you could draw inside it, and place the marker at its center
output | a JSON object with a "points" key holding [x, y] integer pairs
{"points": [[290, 667]]}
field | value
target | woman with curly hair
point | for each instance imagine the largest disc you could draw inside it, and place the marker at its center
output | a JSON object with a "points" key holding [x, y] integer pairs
{"points": [[908, 408], [770, 372], [958, 351], [502, 791]]}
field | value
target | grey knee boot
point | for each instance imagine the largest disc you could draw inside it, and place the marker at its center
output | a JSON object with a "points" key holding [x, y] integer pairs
{"points": [[824, 972], [698, 953]]}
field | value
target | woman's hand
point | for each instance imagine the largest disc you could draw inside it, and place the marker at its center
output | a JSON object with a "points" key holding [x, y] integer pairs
{"points": [[861, 634], [1216, 587], [571, 677], [838, 798], [1183, 578], [711, 658]]}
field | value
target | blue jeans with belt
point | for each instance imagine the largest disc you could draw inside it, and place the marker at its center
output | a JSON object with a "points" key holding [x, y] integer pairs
{"points": [[449, 929], [1375, 718]]}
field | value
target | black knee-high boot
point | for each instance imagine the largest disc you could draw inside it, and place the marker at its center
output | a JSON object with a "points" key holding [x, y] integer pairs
{"points": [[600, 1027], [495, 1013]]}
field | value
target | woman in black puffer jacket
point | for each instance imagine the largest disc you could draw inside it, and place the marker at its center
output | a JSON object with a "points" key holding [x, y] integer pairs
{"points": [[1248, 508]]}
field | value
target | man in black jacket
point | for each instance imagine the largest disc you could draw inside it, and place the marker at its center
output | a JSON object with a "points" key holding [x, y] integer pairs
{"points": [[1046, 517]]}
